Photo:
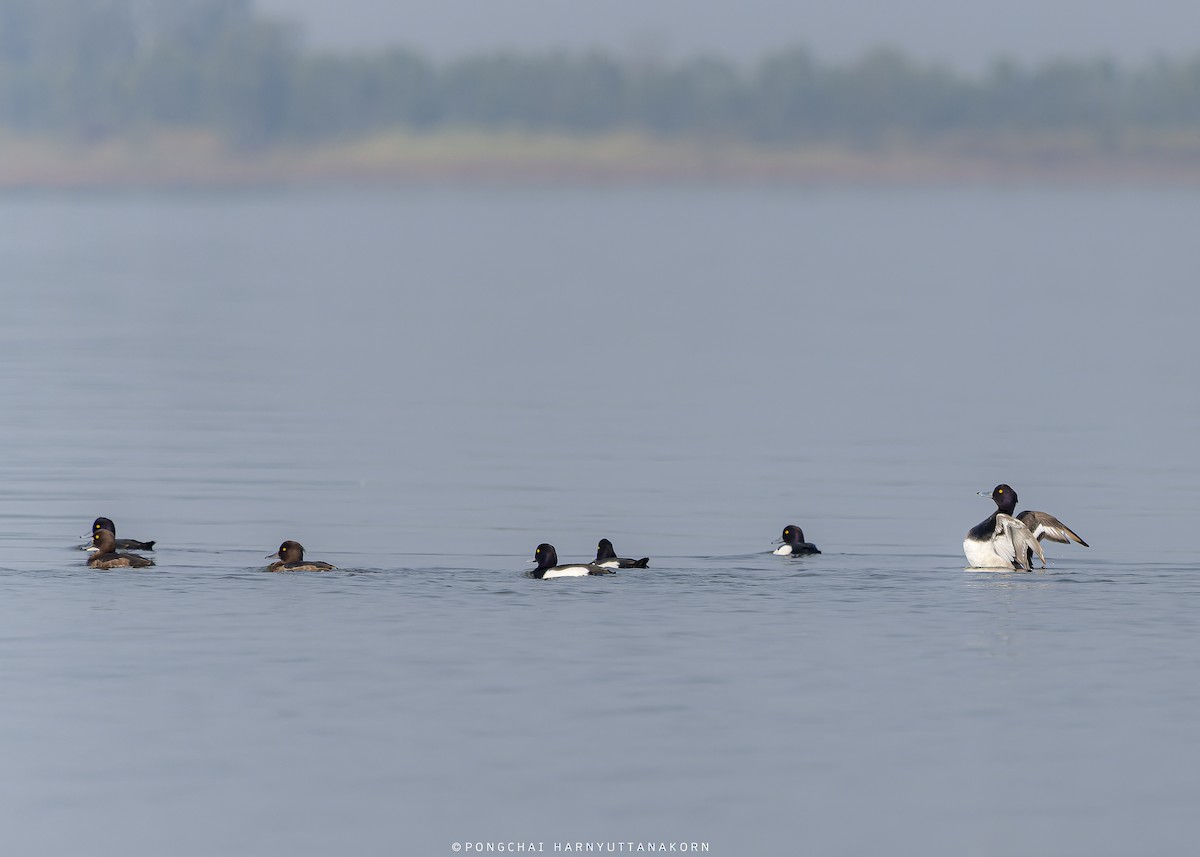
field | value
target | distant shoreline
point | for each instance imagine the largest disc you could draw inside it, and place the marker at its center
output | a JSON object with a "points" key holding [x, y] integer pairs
{"points": [[196, 160]]}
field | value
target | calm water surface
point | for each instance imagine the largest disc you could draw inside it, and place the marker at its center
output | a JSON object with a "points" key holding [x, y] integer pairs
{"points": [[422, 385]]}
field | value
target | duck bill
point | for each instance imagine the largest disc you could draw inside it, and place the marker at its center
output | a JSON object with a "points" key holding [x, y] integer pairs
{"points": [[272, 555]]}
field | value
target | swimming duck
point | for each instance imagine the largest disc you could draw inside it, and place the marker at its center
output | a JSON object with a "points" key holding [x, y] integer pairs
{"points": [[106, 555], [606, 557], [291, 558], [792, 543], [546, 558], [1004, 541], [122, 544]]}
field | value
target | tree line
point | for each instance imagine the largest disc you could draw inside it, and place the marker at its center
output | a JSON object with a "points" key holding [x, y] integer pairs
{"points": [[84, 69]]}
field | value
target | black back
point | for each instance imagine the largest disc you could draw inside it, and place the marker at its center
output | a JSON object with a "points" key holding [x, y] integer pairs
{"points": [[123, 544], [606, 553]]}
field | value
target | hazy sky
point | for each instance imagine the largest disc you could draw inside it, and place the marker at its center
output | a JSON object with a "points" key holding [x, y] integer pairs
{"points": [[967, 33]]}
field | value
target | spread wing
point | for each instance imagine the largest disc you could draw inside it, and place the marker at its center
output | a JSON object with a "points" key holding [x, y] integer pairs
{"points": [[1013, 541], [1044, 526]]}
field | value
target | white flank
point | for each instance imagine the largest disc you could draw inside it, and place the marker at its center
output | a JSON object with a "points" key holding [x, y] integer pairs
{"points": [[1007, 548], [983, 555], [566, 571]]}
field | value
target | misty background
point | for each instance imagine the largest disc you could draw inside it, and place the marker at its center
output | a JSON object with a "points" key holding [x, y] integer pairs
{"points": [[282, 73], [966, 35]]}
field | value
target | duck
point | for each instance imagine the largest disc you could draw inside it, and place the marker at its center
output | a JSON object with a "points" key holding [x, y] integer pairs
{"points": [[792, 543], [1004, 541], [291, 558], [106, 555], [606, 557], [122, 544], [546, 558]]}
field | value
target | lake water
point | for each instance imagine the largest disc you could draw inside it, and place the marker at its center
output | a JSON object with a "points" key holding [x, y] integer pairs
{"points": [[421, 385]]}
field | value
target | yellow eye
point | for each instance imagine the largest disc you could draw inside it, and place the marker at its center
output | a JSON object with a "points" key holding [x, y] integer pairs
{"points": [[999, 490], [785, 532]]}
